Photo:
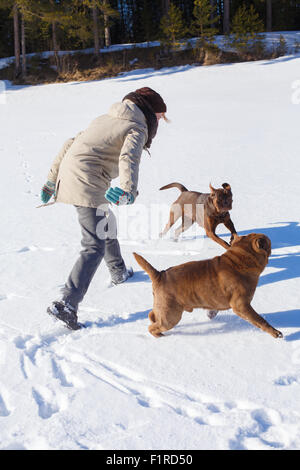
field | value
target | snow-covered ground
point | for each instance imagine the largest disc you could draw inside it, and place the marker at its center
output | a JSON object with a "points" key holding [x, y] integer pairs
{"points": [[219, 384]]}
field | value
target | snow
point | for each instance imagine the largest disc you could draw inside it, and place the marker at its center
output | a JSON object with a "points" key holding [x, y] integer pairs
{"points": [[208, 384]]}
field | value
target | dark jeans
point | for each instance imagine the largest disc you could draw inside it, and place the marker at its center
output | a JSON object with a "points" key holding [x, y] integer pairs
{"points": [[94, 250]]}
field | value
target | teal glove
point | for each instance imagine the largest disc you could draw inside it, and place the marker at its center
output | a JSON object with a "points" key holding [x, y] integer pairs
{"points": [[118, 196], [47, 191]]}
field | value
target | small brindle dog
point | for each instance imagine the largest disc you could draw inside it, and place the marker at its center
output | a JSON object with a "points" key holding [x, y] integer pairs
{"points": [[207, 209]]}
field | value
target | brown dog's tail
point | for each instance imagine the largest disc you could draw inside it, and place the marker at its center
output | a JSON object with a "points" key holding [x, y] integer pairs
{"points": [[153, 273], [174, 185]]}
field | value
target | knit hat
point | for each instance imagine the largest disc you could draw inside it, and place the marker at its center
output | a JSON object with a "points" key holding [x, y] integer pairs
{"points": [[153, 98]]}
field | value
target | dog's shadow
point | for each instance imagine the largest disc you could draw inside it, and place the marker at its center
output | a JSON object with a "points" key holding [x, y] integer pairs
{"points": [[222, 324], [227, 323], [286, 236], [139, 276], [115, 320], [281, 237]]}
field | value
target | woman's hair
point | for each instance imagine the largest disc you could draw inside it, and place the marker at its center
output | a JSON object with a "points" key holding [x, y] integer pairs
{"points": [[165, 118], [153, 98]]}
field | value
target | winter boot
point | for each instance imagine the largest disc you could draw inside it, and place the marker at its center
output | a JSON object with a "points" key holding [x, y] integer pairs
{"points": [[66, 313], [118, 278]]}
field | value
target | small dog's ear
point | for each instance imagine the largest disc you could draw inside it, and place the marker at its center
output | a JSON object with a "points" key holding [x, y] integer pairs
{"points": [[226, 186], [212, 190]]}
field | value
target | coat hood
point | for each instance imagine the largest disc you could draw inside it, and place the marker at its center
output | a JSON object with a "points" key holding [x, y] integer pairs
{"points": [[128, 110]]}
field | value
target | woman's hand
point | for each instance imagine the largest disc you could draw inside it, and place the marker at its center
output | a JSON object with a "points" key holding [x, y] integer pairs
{"points": [[118, 196], [47, 191]]}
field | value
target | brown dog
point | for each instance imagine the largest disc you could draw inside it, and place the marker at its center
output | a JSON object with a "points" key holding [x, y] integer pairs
{"points": [[207, 209], [220, 283]]}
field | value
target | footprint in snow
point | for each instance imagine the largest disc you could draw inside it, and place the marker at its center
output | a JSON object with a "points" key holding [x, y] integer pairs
{"points": [[48, 402], [4, 411], [34, 248]]}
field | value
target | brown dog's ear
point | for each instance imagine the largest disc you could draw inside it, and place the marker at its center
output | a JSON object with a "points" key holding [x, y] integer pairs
{"points": [[262, 243], [226, 186]]}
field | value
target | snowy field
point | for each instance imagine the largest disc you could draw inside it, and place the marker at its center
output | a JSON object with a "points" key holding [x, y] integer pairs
{"points": [[208, 384]]}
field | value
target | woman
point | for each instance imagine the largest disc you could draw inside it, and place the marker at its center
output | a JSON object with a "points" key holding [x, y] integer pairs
{"points": [[81, 174]]}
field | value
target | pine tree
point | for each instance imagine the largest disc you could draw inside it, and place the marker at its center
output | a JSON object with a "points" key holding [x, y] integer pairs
{"points": [[20, 10], [6, 34], [107, 12], [172, 25], [56, 15], [204, 19], [26, 8], [245, 29], [76, 29], [37, 25], [53, 13], [12, 6], [109, 15]]}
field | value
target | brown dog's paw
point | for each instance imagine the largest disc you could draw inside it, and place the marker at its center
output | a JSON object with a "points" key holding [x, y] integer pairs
{"points": [[157, 335], [212, 313], [154, 331], [276, 333]]}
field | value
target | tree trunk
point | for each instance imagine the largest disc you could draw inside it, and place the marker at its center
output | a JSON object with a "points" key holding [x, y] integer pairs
{"points": [[269, 15], [55, 45], [226, 17], [16, 40], [106, 27], [23, 43], [54, 36], [165, 6], [96, 31], [107, 32]]}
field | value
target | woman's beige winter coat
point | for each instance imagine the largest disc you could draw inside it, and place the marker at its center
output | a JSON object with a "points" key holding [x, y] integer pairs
{"points": [[111, 146]]}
